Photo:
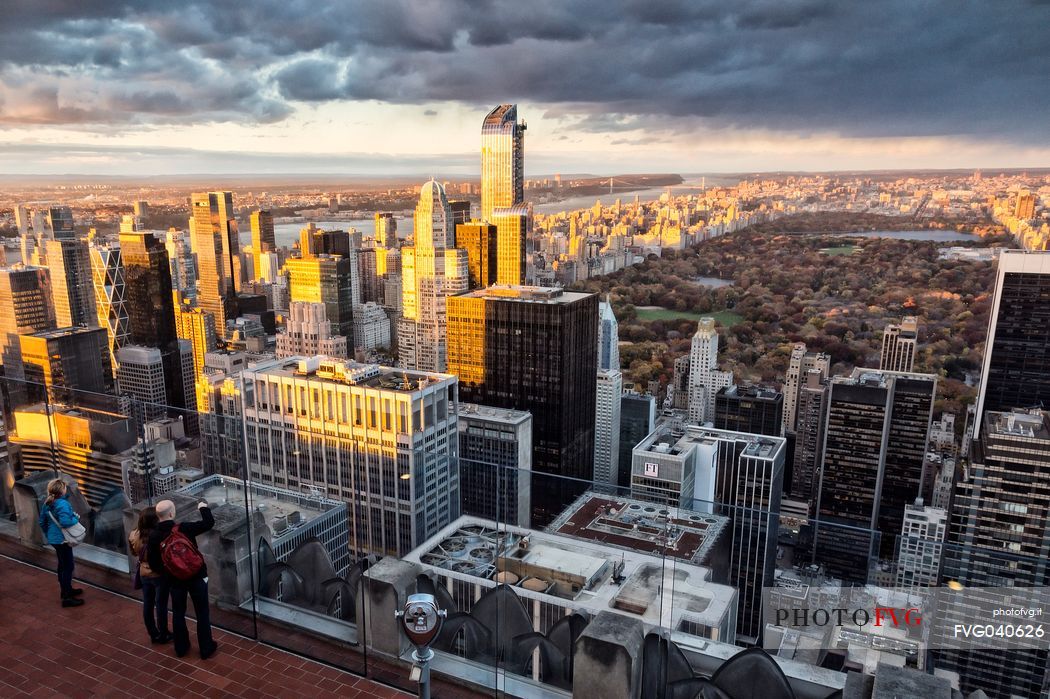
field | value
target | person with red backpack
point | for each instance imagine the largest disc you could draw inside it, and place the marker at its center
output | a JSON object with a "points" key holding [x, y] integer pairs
{"points": [[172, 548]]}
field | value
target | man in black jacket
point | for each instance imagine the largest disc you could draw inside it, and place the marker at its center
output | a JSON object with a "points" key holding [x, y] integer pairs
{"points": [[196, 587]]}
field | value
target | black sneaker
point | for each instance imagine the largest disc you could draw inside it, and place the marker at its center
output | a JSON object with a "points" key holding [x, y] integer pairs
{"points": [[161, 638], [72, 602], [77, 592], [205, 654]]}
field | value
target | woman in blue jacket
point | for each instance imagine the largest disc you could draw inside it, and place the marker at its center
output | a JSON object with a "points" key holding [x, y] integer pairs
{"points": [[56, 504]]}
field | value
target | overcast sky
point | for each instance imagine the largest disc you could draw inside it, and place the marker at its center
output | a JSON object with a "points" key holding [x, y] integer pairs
{"points": [[401, 86]]}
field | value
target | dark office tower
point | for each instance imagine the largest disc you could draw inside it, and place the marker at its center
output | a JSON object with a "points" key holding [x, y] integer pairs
{"points": [[637, 420], [263, 237], [854, 448], [479, 240], [314, 241], [748, 488], [495, 463], [750, 409], [368, 274], [60, 221], [1017, 352], [71, 287], [67, 365], [24, 308], [910, 420], [150, 304], [809, 437], [460, 211], [998, 536], [874, 446], [534, 349], [213, 231]]}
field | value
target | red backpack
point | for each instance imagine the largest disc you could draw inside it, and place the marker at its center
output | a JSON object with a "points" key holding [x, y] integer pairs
{"points": [[180, 556]]}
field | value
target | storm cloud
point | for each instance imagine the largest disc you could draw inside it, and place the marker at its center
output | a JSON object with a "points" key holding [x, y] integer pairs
{"points": [[879, 68]]}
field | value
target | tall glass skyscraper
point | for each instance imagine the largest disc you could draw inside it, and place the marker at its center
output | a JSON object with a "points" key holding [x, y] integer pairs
{"points": [[213, 232], [1017, 352], [503, 189], [502, 160]]}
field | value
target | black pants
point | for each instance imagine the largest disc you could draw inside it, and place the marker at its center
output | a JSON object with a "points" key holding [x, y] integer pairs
{"points": [[198, 592], [65, 568], [155, 605]]}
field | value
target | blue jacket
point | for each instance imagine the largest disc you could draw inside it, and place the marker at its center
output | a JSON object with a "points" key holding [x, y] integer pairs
{"points": [[65, 515]]}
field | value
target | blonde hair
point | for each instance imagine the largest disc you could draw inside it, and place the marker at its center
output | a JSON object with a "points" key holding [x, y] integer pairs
{"points": [[55, 490]]}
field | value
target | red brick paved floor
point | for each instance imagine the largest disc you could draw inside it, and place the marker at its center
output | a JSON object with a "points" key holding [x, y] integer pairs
{"points": [[101, 649]]}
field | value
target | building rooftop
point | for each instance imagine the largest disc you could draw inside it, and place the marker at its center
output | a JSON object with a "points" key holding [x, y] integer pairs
{"points": [[490, 414], [582, 574], [667, 440], [642, 526], [528, 294], [750, 391], [345, 371], [285, 512], [1034, 424], [64, 332]]}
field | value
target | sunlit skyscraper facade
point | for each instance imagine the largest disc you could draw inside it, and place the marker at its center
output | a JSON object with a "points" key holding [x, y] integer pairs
{"points": [[502, 160], [213, 233], [431, 270]]}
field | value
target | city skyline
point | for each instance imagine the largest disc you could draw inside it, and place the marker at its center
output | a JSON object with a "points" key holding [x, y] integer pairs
{"points": [[756, 87]]}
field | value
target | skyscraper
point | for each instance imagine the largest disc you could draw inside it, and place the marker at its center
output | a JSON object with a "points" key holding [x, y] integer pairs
{"points": [[637, 420], [308, 332], [502, 160], [800, 363], [1017, 351], [479, 240], [391, 454], [495, 463], [748, 408], [607, 427], [24, 295], [263, 239], [60, 223], [1024, 205], [213, 235], [140, 374], [195, 326], [71, 287], [386, 230], [998, 535], [534, 349], [67, 365], [809, 437], [183, 267], [328, 280], [704, 377], [608, 337], [898, 345], [150, 303], [874, 447], [735, 474], [503, 189], [513, 224], [431, 271], [107, 278]]}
